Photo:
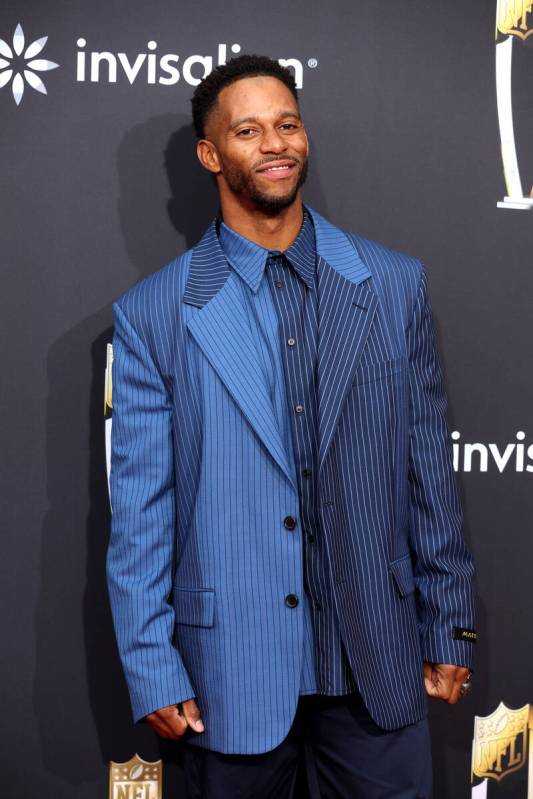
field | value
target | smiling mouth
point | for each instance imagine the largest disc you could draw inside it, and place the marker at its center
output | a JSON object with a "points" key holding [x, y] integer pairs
{"points": [[268, 168], [278, 170]]}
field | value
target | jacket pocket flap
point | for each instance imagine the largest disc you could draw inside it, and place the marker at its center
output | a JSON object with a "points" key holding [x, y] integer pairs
{"points": [[368, 372], [402, 571], [194, 606]]}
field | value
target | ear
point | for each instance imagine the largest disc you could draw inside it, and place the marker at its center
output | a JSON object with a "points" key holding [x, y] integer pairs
{"points": [[307, 140], [208, 155]]}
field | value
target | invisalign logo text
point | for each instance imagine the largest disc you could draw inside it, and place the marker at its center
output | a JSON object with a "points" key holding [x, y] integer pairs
{"points": [[165, 69]]}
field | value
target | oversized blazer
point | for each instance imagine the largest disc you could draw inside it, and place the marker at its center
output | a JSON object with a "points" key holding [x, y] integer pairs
{"points": [[200, 563]]}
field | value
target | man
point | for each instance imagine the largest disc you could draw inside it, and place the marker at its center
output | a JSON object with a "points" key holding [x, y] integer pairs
{"points": [[286, 559]]}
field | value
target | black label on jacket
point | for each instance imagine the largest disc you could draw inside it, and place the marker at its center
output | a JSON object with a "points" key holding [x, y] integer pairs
{"points": [[462, 634]]}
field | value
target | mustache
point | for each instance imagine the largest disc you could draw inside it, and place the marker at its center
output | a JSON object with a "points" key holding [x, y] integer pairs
{"points": [[274, 160]]}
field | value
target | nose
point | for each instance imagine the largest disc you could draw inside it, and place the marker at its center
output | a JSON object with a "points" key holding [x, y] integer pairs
{"points": [[272, 141]]}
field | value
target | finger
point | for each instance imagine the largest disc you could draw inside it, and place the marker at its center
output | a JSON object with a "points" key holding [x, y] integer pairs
{"points": [[159, 727], [446, 684], [458, 675], [439, 680], [455, 693], [461, 676], [431, 688], [166, 731], [177, 723], [191, 711], [167, 722], [431, 680]]}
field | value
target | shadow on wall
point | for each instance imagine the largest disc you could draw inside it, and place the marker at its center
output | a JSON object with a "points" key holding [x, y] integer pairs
{"points": [[78, 682], [163, 190], [166, 200]]}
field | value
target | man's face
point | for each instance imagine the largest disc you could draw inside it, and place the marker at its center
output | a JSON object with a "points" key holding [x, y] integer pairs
{"points": [[260, 145]]}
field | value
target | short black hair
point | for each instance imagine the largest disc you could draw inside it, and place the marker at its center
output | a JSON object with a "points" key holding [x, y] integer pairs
{"points": [[243, 66]]}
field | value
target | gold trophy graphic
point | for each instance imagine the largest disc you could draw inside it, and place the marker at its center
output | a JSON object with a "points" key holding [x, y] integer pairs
{"points": [[513, 21], [502, 745]]}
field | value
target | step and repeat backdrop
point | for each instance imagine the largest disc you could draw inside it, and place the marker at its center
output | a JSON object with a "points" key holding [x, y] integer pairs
{"points": [[420, 117]]}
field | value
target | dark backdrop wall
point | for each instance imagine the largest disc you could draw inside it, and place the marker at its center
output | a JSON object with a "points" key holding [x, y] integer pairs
{"points": [[100, 187]]}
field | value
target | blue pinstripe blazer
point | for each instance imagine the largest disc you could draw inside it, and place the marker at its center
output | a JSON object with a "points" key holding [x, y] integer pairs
{"points": [[199, 561]]}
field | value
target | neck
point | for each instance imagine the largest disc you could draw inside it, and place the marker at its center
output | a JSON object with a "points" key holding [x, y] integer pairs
{"points": [[271, 232]]}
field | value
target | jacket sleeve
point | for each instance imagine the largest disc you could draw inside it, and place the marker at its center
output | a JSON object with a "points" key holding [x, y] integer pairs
{"points": [[141, 547], [443, 565]]}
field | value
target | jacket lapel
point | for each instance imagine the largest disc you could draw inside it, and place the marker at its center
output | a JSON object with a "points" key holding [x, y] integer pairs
{"points": [[346, 308], [222, 330]]}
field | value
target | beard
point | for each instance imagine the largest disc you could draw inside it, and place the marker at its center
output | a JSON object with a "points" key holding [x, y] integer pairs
{"points": [[243, 183]]}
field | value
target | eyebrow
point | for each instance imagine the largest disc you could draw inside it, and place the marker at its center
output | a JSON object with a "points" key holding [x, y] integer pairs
{"points": [[283, 115]]}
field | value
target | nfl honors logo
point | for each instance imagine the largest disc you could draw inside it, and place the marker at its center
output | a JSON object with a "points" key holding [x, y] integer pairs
{"points": [[136, 779], [502, 742], [514, 26]]}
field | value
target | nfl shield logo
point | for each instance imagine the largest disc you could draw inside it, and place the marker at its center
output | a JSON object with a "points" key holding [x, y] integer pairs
{"points": [[500, 742], [136, 779]]}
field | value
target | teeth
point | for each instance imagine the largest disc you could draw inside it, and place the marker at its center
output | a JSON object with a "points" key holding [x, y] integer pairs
{"points": [[277, 167]]}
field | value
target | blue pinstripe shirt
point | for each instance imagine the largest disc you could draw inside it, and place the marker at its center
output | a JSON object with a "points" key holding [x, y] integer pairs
{"points": [[280, 291]]}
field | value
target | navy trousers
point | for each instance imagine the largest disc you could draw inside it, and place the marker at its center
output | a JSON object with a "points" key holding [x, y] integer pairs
{"points": [[346, 756]]}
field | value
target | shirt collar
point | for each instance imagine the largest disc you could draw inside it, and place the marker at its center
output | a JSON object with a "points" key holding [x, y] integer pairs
{"points": [[249, 259]]}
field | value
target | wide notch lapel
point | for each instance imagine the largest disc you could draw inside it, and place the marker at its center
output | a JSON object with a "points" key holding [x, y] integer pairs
{"points": [[346, 310], [221, 328]]}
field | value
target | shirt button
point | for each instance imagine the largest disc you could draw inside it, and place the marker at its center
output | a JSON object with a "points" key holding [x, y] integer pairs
{"points": [[279, 284], [291, 342], [299, 408], [289, 522], [317, 604], [291, 600]]}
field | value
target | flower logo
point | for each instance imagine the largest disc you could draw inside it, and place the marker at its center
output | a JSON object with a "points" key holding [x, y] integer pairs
{"points": [[14, 62]]}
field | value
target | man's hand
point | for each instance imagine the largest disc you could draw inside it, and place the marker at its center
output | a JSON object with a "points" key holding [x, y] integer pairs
{"points": [[174, 720], [443, 681]]}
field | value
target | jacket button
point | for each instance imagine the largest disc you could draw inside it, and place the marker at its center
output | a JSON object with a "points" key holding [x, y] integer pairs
{"points": [[317, 604], [289, 522], [291, 600]]}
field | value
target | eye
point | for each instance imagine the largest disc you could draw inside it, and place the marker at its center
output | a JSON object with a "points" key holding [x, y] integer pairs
{"points": [[244, 131]]}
